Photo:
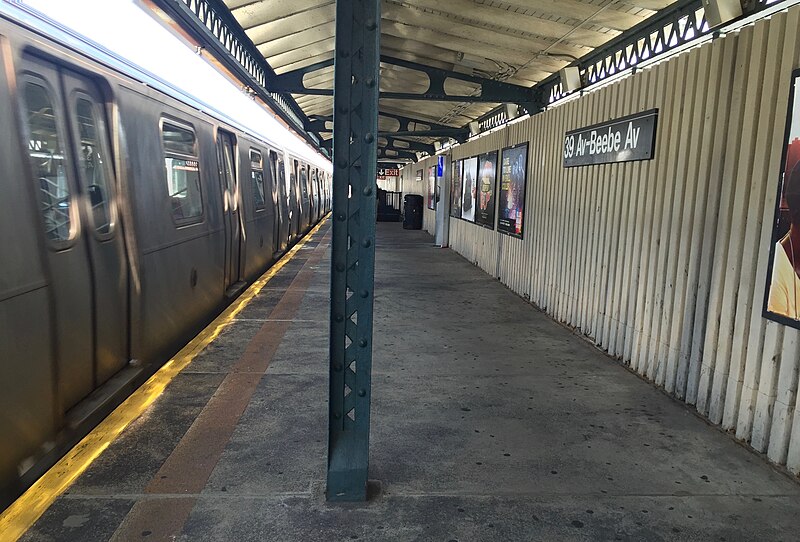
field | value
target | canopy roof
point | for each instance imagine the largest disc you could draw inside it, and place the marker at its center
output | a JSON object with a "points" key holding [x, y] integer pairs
{"points": [[518, 42]]}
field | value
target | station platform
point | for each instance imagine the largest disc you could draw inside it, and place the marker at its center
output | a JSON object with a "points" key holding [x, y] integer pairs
{"points": [[490, 421]]}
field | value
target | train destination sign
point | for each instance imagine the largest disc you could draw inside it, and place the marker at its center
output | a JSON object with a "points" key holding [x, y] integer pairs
{"points": [[625, 139]]}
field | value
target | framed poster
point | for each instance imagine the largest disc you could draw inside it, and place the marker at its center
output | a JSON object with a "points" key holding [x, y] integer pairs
{"points": [[513, 177], [432, 187], [468, 203], [782, 294], [487, 183], [455, 188]]}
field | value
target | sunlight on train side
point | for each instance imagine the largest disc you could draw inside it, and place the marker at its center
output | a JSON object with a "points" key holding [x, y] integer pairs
{"points": [[125, 28], [25, 511]]}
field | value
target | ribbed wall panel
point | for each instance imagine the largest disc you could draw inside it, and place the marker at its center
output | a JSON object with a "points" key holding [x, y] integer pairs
{"points": [[663, 262]]}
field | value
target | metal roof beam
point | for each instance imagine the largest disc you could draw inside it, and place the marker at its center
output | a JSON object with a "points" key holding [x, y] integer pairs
{"points": [[405, 122], [292, 81], [398, 154], [391, 144], [319, 124], [459, 134], [491, 91]]}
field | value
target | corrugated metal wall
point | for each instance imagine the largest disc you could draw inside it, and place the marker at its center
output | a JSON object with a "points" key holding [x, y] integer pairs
{"points": [[663, 262]]}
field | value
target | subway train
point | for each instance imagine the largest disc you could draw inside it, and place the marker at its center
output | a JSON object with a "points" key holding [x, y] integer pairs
{"points": [[129, 218]]}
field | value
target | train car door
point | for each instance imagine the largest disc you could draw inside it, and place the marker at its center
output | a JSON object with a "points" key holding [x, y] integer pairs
{"points": [[312, 180], [294, 200], [279, 204], [320, 197], [286, 219], [90, 145], [226, 160], [315, 189], [68, 153], [305, 201]]}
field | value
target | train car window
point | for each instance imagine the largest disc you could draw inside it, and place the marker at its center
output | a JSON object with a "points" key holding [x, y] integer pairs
{"points": [[48, 162], [257, 175], [183, 173], [93, 166]]}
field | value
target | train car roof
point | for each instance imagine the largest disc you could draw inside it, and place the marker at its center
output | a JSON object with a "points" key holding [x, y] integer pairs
{"points": [[42, 24]]}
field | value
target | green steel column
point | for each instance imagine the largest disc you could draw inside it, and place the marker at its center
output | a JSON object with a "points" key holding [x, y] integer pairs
{"points": [[355, 131]]}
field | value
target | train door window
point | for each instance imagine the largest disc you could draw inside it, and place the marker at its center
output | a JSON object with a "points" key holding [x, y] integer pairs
{"points": [[257, 175], [286, 182], [304, 182], [94, 166], [183, 173], [314, 184], [49, 163], [280, 174], [277, 178]]}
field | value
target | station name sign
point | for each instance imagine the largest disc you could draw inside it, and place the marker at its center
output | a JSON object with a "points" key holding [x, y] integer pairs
{"points": [[625, 139]]}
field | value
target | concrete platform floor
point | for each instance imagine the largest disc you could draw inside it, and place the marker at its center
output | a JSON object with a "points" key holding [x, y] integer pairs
{"points": [[490, 422]]}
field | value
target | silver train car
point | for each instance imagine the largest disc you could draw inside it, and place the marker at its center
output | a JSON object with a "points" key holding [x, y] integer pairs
{"points": [[128, 220]]}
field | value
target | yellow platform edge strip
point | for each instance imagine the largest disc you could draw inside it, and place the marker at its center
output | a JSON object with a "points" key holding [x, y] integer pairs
{"points": [[29, 507]]}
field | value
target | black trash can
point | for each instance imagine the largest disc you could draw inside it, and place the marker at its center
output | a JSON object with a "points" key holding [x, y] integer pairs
{"points": [[412, 212]]}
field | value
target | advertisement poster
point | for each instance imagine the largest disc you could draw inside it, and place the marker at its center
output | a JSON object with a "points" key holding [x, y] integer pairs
{"points": [[432, 187], [782, 299], [455, 189], [468, 202], [487, 182], [513, 176]]}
